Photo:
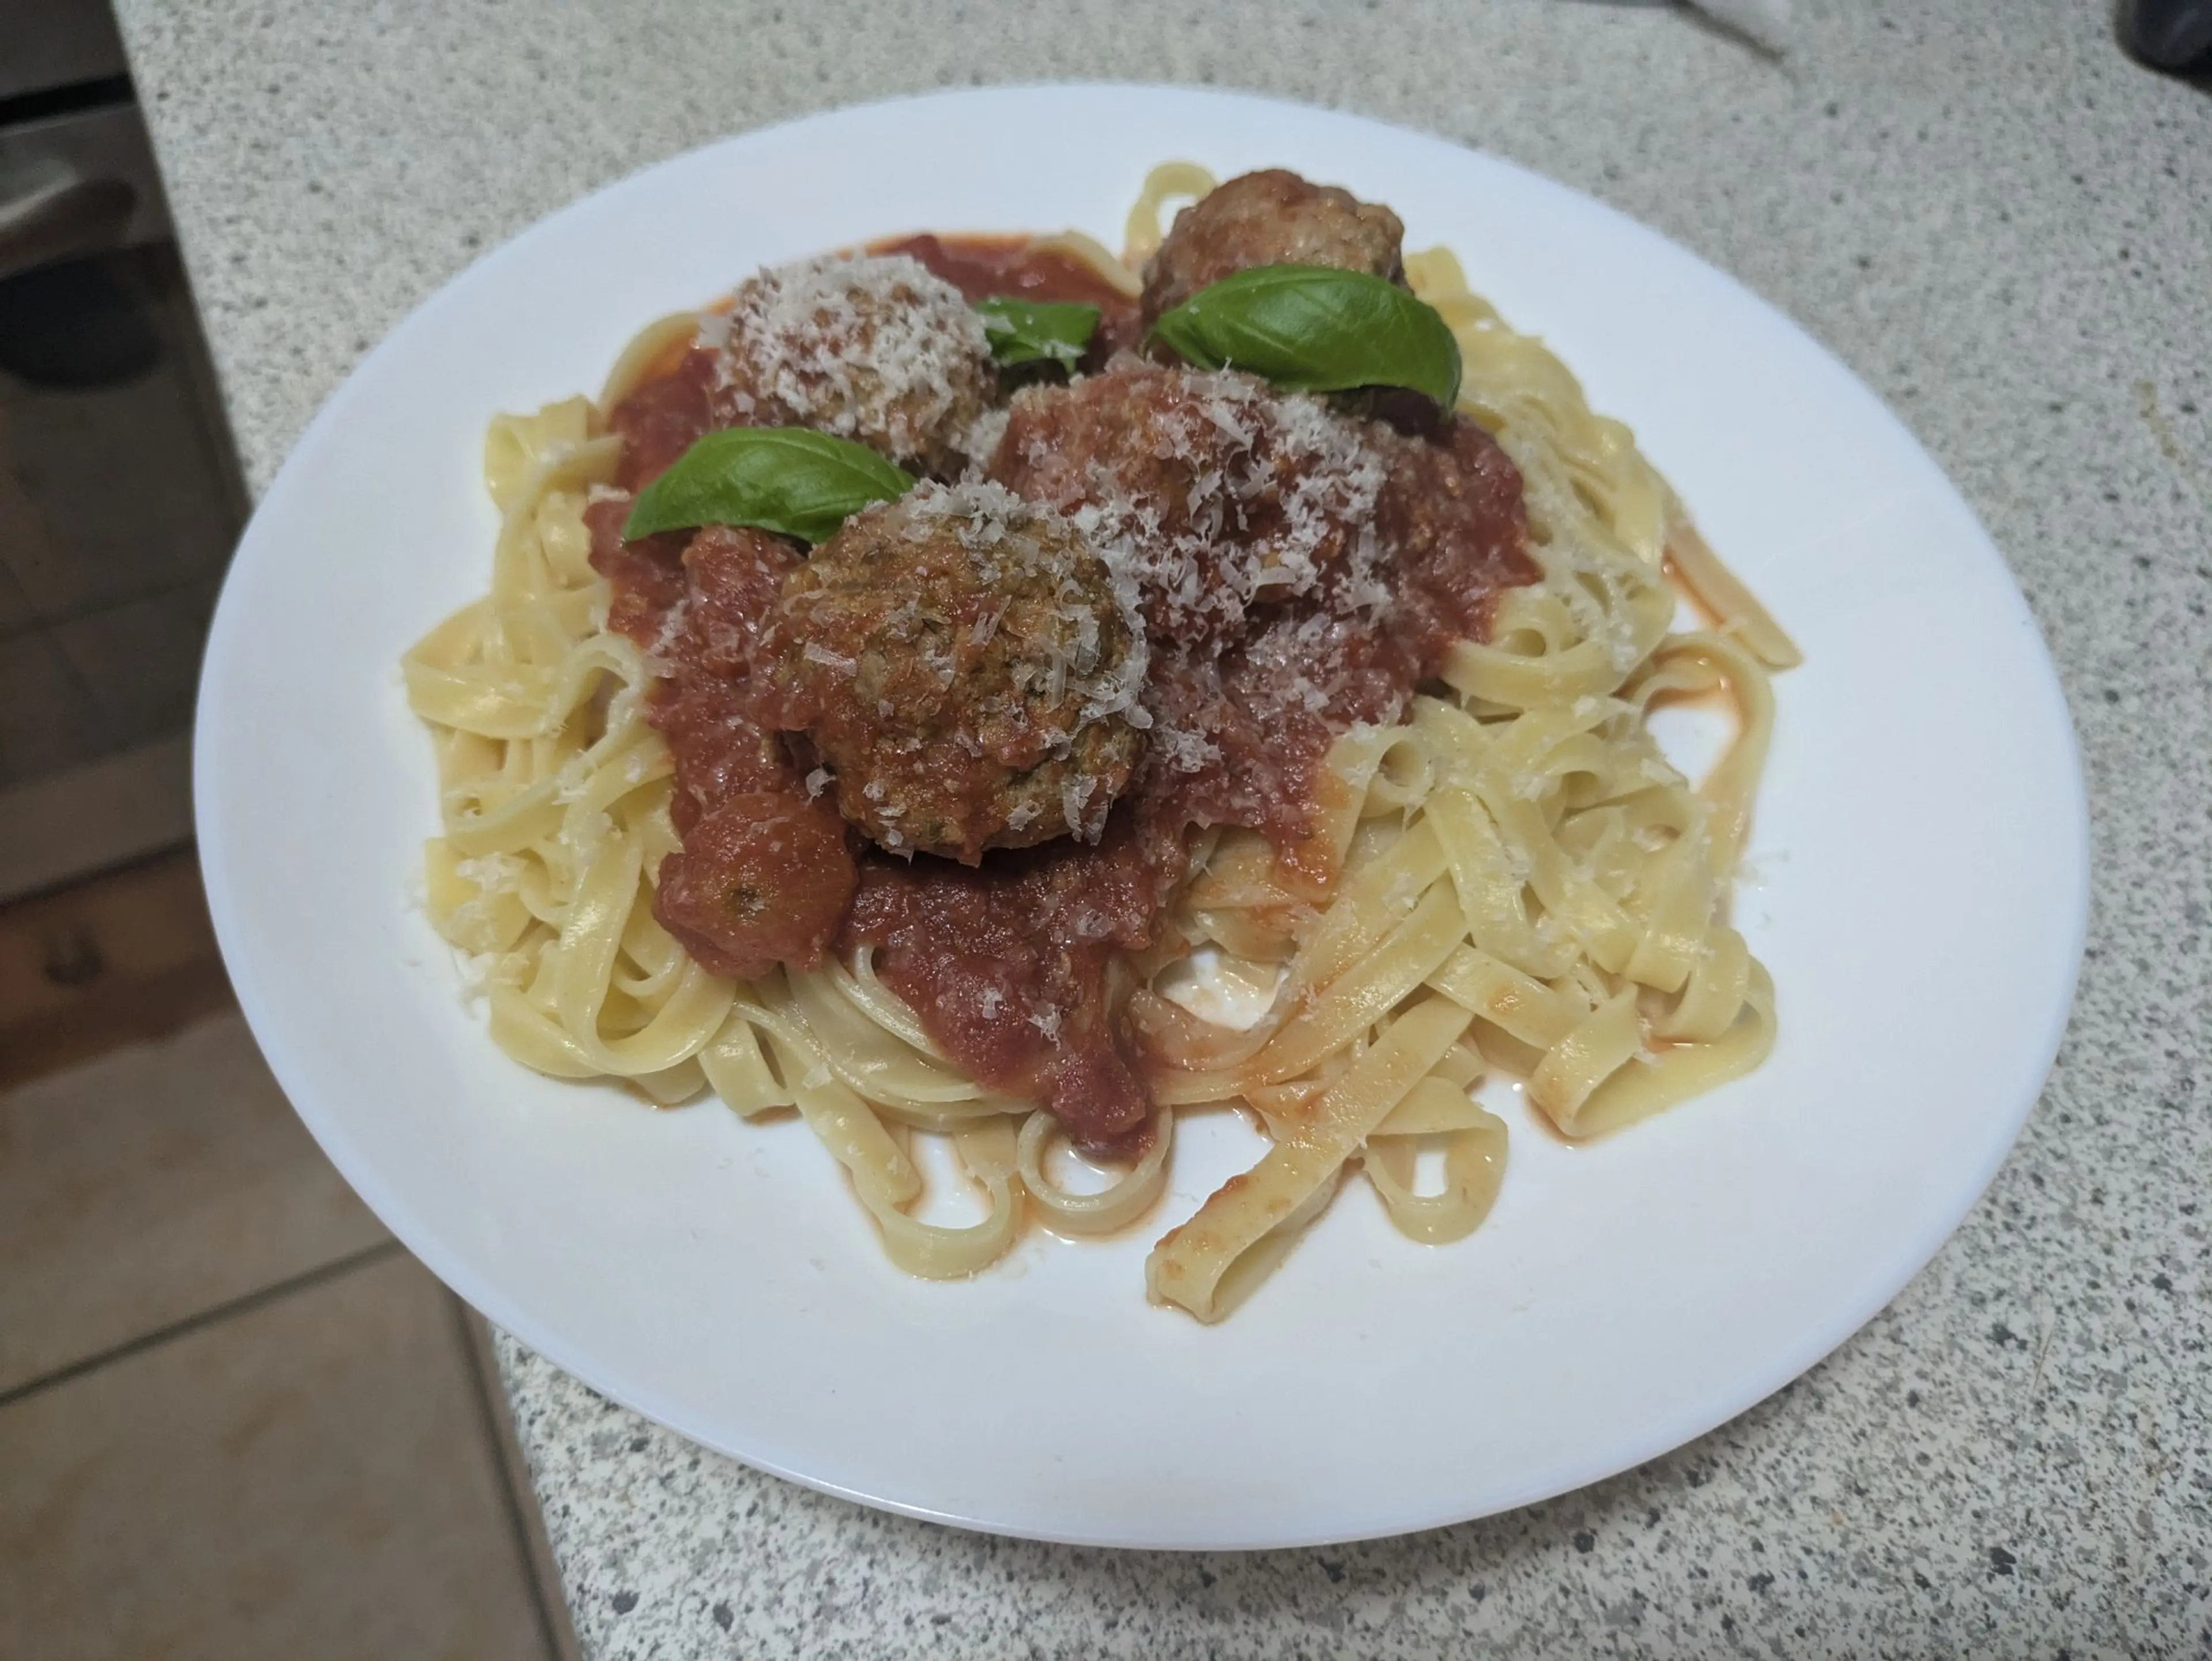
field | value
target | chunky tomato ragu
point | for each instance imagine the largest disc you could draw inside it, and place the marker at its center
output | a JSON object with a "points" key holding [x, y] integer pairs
{"points": [[1010, 964]]}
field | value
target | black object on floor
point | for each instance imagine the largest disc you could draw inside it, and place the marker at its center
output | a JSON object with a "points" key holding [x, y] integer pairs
{"points": [[73, 326], [2168, 34]]}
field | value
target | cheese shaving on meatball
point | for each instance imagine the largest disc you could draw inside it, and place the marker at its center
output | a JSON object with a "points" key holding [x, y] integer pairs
{"points": [[1227, 496], [875, 349], [988, 518]]}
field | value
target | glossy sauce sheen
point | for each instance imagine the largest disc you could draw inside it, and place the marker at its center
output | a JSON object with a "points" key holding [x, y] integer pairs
{"points": [[1012, 965]]}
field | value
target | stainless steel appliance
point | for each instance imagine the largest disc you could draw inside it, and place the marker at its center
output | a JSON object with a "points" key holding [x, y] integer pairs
{"points": [[119, 495]]}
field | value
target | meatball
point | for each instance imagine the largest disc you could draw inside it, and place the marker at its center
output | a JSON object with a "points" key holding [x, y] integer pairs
{"points": [[1270, 218], [1226, 494], [764, 873], [875, 349], [967, 667], [1454, 509], [763, 879], [719, 645]]}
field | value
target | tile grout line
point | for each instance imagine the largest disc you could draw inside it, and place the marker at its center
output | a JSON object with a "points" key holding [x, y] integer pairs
{"points": [[509, 1460], [83, 611], [246, 1304]]}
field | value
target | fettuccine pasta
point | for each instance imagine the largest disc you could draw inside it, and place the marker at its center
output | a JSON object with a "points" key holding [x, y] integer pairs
{"points": [[1524, 885]]}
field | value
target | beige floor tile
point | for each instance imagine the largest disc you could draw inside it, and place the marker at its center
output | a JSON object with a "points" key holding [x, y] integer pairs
{"points": [[124, 957], [49, 720], [127, 485], [75, 823], [15, 614], [151, 1185], [21, 530], [310, 1478], [141, 660]]}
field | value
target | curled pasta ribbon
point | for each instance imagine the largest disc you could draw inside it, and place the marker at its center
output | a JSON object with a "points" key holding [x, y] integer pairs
{"points": [[939, 1252], [1722, 593], [1093, 253], [1474, 1145], [651, 347], [1688, 665], [1212, 1264], [1119, 1203], [1172, 181]]}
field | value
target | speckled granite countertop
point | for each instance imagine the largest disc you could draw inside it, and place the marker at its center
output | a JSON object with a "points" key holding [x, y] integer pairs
{"points": [[1999, 222]]}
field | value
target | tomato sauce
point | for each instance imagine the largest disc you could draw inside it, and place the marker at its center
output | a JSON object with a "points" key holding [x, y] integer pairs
{"points": [[986, 267], [1013, 966]]}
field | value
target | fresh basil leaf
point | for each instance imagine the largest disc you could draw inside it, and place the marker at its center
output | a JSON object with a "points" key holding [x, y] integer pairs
{"points": [[1037, 330], [790, 480], [1314, 329]]}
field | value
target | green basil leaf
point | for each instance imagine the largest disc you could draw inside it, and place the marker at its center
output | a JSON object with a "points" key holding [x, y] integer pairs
{"points": [[790, 480], [1037, 330], [1314, 329]]}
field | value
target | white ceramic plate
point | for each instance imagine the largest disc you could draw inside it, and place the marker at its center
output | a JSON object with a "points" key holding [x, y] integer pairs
{"points": [[1917, 885]]}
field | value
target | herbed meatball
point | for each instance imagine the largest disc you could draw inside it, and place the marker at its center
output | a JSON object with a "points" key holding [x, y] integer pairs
{"points": [[1270, 218], [764, 873], [714, 645], [1226, 494], [763, 879], [967, 667], [876, 349]]}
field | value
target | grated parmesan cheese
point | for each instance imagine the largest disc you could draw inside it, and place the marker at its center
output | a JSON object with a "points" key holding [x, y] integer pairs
{"points": [[874, 348], [981, 439], [1183, 749], [713, 329], [1216, 492], [991, 520], [661, 654], [1074, 796], [490, 871]]}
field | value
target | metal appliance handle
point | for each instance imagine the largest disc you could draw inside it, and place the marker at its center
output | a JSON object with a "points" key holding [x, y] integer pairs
{"points": [[52, 212]]}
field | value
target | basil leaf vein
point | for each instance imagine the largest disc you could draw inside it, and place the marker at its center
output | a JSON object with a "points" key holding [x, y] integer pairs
{"points": [[1037, 330], [791, 480], [1314, 328]]}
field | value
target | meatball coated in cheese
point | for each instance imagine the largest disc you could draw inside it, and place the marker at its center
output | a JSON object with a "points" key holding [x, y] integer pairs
{"points": [[967, 668], [1270, 218], [1226, 494], [875, 349]]}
